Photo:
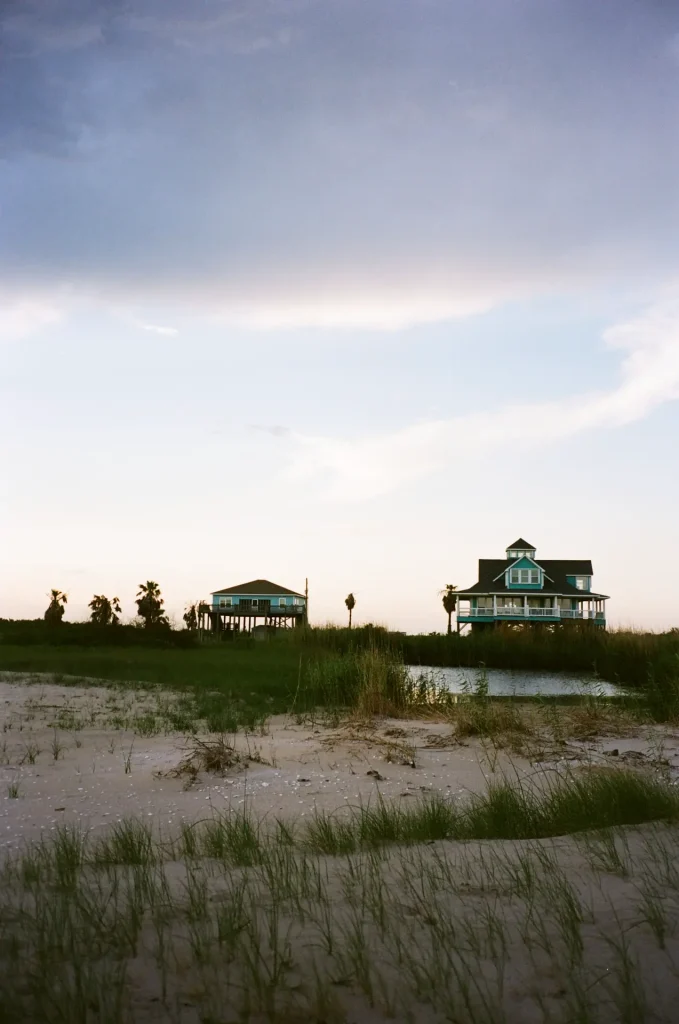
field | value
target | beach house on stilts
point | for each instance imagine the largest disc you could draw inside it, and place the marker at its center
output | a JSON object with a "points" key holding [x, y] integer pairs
{"points": [[248, 607], [522, 588]]}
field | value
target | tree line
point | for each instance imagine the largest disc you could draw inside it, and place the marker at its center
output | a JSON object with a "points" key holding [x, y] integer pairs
{"points": [[105, 611]]}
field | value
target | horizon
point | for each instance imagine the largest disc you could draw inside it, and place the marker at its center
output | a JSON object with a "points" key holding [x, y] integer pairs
{"points": [[314, 288]]}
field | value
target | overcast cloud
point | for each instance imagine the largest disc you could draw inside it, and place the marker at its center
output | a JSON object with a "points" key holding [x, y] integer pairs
{"points": [[330, 161]]}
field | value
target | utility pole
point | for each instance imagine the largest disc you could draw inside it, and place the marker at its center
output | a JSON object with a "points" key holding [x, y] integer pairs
{"points": [[306, 601]]}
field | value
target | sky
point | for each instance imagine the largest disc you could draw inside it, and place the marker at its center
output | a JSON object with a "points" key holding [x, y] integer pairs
{"points": [[350, 291]]}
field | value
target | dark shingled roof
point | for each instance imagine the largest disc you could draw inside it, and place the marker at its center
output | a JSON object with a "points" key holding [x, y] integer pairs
{"points": [[263, 587], [556, 571], [521, 543]]}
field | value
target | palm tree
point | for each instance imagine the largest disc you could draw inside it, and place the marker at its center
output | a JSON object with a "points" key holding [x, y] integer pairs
{"points": [[55, 609], [449, 602], [150, 605], [104, 610], [350, 602], [191, 615]]}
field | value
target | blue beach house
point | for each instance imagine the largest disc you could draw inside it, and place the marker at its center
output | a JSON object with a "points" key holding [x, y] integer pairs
{"points": [[521, 588], [258, 603]]}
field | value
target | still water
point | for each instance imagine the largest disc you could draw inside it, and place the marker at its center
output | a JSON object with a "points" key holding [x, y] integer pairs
{"points": [[507, 683]]}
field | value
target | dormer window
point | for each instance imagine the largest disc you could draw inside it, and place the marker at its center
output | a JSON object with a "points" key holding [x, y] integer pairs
{"points": [[582, 582], [524, 576], [520, 549]]}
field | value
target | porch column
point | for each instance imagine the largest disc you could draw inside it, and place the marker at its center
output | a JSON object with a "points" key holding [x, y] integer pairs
{"points": [[525, 606], [494, 606]]}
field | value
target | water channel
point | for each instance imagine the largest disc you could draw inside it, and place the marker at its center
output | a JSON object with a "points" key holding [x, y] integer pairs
{"points": [[510, 683]]}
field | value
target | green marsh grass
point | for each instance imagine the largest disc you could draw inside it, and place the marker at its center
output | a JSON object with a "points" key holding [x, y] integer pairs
{"points": [[230, 682], [333, 668]]}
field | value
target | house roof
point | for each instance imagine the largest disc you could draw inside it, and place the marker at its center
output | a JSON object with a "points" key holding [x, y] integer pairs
{"points": [[555, 569], [258, 587], [521, 543]]}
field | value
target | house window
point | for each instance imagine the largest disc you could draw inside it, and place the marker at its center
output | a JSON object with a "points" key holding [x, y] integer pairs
{"points": [[225, 602], [282, 602], [582, 582], [255, 602], [525, 576]]}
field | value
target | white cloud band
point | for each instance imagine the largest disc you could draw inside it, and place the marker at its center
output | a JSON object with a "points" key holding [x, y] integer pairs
{"points": [[364, 468]]}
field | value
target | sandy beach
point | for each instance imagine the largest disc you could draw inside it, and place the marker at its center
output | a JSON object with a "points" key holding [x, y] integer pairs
{"points": [[463, 931]]}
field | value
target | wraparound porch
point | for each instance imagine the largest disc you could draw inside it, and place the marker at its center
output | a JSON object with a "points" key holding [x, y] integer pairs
{"points": [[526, 608]]}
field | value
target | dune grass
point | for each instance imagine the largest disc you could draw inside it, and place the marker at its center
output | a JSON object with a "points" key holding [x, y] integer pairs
{"points": [[252, 921], [507, 810], [551, 806]]}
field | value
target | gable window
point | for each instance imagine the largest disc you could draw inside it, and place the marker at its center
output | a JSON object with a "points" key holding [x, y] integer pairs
{"points": [[525, 576]]}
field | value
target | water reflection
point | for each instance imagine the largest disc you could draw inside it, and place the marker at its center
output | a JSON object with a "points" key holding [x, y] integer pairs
{"points": [[508, 683]]}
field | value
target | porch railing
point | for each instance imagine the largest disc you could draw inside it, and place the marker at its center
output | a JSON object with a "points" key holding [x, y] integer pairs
{"points": [[261, 610], [518, 612]]}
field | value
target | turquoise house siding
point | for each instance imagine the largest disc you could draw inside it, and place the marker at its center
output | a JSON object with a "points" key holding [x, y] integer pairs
{"points": [[275, 599], [525, 563]]}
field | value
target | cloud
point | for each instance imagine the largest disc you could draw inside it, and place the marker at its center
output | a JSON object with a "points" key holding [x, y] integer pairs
{"points": [[358, 469], [274, 429], [154, 328], [38, 27], [284, 163], [343, 302], [23, 315], [674, 48], [33, 27]]}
